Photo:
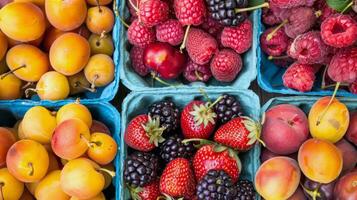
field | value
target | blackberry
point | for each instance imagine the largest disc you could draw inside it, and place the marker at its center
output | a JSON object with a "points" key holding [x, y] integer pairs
{"points": [[174, 148], [227, 108], [245, 190], [140, 169], [217, 185], [168, 114], [224, 12]]}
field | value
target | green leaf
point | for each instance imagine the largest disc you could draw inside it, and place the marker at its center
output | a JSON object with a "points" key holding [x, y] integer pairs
{"points": [[338, 5], [255, 2]]}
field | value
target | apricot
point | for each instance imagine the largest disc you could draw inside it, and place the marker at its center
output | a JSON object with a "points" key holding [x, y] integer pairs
{"points": [[80, 178], [27, 62], [3, 45], [16, 24], [101, 2], [7, 139], [10, 87], [320, 160], [98, 126], [74, 110], [277, 178], [52, 86], [40, 3], [69, 53], [50, 187], [328, 122], [100, 19], [38, 124], [78, 84], [101, 44], [100, 70], [102, 149], [100, 196], [10, 187], [66, 15], [27, 160], [51, 35], [70, 139]]}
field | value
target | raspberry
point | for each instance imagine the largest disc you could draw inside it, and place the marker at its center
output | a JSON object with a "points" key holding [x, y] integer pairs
{"points": [[353, 87], [200, 46], [309, 48], [343, 66], [190, 12], [195, 72], [299, 20], [137, 63], [226, 65], [170, 31], [290, 3], [339, 31], [211, 26], [139, 35], [277, 45], [269, 17], [238, 38], [299, 77], [153, 12]]}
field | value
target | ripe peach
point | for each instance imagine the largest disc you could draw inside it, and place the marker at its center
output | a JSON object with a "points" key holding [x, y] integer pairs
{"points": [[52, 86], [69, 53], [38, 124], [70, 139], [100, 19], [100, 196], [101, 44], [349, 154], [101, 2], [100, 70], [74, 110], [3, 45], [328, 123], [80, 178], [66, 15], [98, 126], [277, 178], [320, 160], [16, 24], [27, 160], [51, 35], [10, 87], [50, 187], [7, 139], [346, 187], [102, 148], [78, 83], [10, 187]]}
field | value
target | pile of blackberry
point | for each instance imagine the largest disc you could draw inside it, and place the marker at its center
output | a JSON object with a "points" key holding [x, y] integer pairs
{"points": [[227, 108], [174, 148], [245, 190], [168, 114], [224, 12]]}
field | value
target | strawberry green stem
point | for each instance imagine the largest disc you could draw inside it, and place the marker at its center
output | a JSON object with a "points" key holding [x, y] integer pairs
{"points": [[319, 119], [277, 57], [183, 45], [271, 35], [347, 7], [264, 5], [215, 102]]}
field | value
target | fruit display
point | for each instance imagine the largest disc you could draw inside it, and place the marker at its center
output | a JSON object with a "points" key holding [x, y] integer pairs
{"points": [[307, 145], [52, 50], [58, 152], [187, 147]]}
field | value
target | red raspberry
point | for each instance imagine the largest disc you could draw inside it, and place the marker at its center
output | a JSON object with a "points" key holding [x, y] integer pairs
{"points": [[309, 48], [190, 12], [153, 12], [212, 26], [226, 65], [139, 35], [170, 31], [277, 45], [290, 3], [300, 20], [200, 46], [195, 72], [269, 17], [238, 38], [343, 66], [137, 62], [353, 87], [299, 77], [339, 31]]}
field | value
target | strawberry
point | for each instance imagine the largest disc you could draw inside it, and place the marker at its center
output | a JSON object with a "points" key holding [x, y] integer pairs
{"points": [[144, 133], [240, 133], [216, 157], [177, 179], [198, 120], [150, 192]]}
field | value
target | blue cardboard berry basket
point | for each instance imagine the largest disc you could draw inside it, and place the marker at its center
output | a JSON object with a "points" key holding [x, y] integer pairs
{"points": [[135, 82], [137, 103], [10, 112]]}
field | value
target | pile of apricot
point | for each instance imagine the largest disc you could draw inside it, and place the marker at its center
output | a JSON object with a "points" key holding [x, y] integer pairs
{"points": [[59, 155], [55, 48]]}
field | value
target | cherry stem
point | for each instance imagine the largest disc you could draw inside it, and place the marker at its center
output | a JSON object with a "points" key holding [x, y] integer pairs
{"points": [[271, 34], [347, 7], [12, 71], [27, 91], [264, 5], [332, 85], [318, 13], [92, 86], [134, 6], [89, 144], [197, 140], [28, 84], [198, 76], [183, 45], [277, 57], [111, 173], [100, 9], [154, 76], [32, 170], [319, 119], [204, 93], [78, 84]]}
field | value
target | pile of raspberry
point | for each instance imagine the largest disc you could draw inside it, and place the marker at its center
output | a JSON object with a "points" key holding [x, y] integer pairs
{"points": [[310, 37], [214, 43]]}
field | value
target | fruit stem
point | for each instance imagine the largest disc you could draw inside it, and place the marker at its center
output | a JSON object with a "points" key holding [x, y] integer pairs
{"points": [[134, 6], [2, 184], [347, 7], [31, 169], [27, 92], [319, 119], [215, 102], [100, 9], [277, 57], [318, 13], [154, 76], [204, 93], [332, 85], [198, 76], [201, 142], [264, 5], [314, 194], [111, 173], [78, 84], [11, 71], [92, 85], [89, 144], [28, 84], [78, 101], [271, 35], [183, 45]]}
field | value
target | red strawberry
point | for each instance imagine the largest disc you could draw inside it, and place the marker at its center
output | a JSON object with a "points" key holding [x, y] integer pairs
{"points": [[216, 157], [177, 179], [153, 12], [144, 133], [198, 120], [240, 133], [190, 12], [149, 192]]}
